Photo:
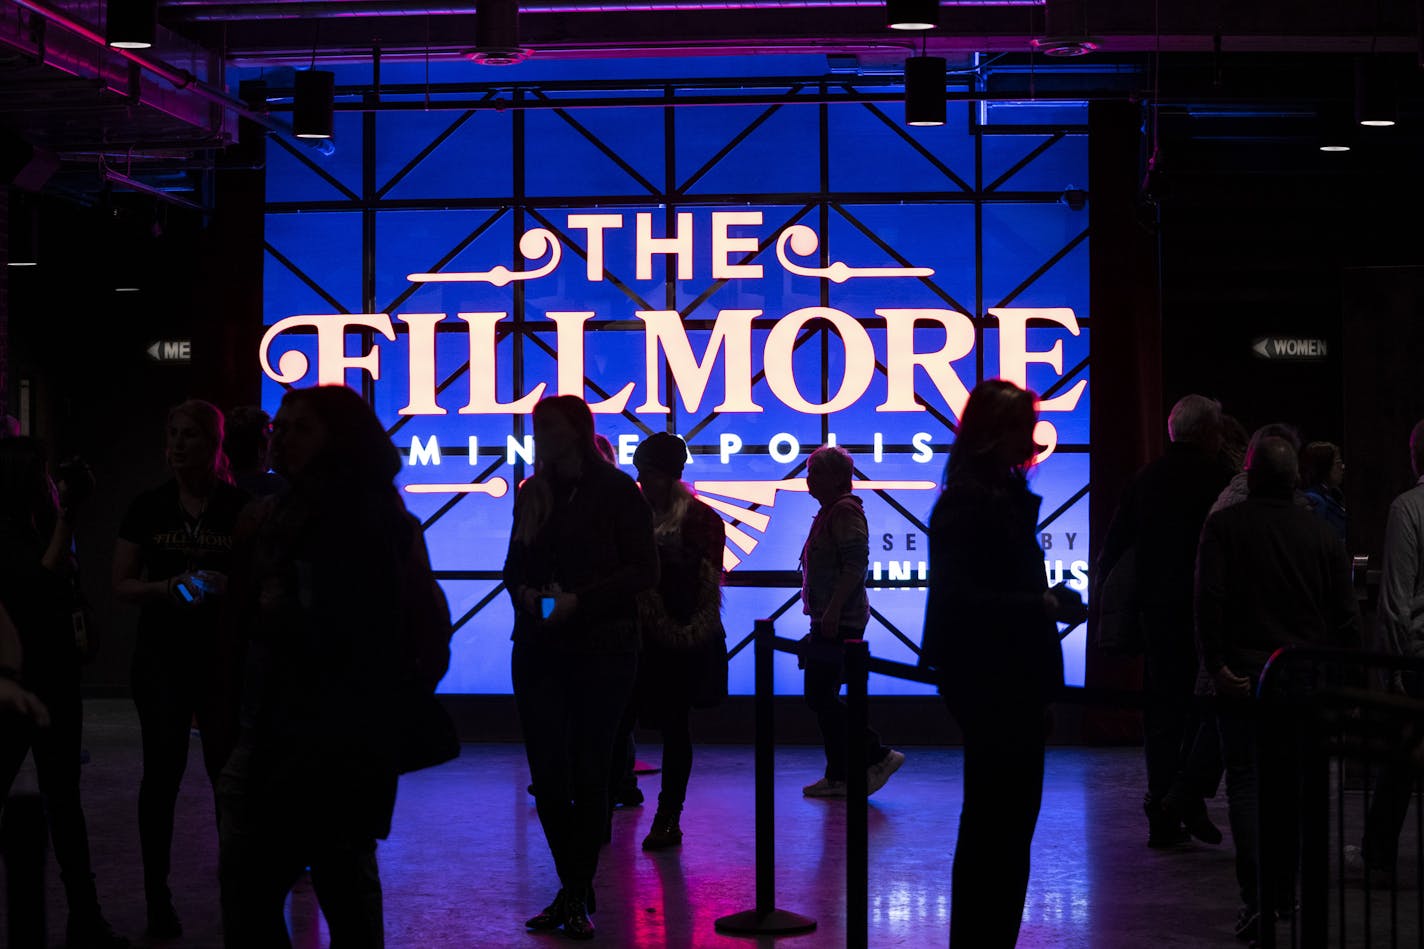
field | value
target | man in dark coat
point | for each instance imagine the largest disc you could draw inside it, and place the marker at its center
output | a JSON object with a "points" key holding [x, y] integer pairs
{"points": [[1160, 519], [1269, 574]]}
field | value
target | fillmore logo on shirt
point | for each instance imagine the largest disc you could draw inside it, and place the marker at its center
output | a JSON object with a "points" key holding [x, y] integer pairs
{"points": [[198, 540]]}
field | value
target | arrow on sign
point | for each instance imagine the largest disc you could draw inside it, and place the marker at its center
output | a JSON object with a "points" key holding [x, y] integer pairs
{"points": [[1290, 348], [171, 350]]}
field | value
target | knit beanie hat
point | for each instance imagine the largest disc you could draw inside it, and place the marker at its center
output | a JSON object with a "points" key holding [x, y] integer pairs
{"points": [[662, 452]]}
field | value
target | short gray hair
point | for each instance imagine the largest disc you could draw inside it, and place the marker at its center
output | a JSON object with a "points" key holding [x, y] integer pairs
{"points": [[834, 461], [1274, 468], [1194, 418]]}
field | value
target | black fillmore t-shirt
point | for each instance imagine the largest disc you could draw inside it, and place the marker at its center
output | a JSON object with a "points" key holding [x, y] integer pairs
{"points": [[171, 541]]}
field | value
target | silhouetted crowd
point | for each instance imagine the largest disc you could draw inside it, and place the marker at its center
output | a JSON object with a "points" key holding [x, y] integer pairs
{"points": [[287, 607]]}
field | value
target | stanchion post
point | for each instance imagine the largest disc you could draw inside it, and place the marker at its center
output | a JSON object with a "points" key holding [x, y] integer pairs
{"points": [[765, 919], [1313, 822], [1267, 781], [857, 670]]}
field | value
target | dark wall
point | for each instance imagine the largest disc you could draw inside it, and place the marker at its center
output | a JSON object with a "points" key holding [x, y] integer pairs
{"points": [[1258, 232], [1383, 338], [97, 393], [1245, 260]]}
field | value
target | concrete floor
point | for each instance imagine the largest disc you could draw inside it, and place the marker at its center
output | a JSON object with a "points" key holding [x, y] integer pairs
{"points": [[467, 863]]}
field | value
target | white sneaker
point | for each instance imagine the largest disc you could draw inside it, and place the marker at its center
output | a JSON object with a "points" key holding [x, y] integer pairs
{"points": [[877, 774], [825, 788]]}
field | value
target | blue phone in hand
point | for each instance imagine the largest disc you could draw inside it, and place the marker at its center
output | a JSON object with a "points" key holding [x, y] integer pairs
{"points": [[185, 592], [546, 606]]}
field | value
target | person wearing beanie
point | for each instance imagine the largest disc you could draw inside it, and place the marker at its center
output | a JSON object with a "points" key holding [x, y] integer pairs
{"points": [[683, 664]]}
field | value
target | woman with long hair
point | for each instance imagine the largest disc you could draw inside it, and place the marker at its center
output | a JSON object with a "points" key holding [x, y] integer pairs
{"points": [[172, 558], [38, 587], [1322, 473], [580, 552], [990, 633], [338, 569]]}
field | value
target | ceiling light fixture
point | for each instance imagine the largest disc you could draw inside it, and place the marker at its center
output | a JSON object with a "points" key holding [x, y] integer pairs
{"points": [[313, 98], [130, 24], [1336, 129], [924, 91], [1376, 104], [912, 14]]}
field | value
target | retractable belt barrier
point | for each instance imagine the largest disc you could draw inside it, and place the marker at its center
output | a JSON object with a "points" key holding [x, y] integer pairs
{"points": [[766, 918]]}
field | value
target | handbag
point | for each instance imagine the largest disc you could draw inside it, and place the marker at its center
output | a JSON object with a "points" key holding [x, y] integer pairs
{"points": [[425, 731]]}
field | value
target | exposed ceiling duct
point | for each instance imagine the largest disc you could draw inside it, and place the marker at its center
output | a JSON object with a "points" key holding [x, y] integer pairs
{"points": [[63, 90]]}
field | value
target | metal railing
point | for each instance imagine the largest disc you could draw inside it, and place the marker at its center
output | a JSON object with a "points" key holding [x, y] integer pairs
{"points": [[765, 918], [1328, 742]]}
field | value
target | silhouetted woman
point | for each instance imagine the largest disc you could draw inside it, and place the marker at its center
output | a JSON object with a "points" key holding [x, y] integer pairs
{"points": [[1322, 472], [38, 588], [684, 659], [173, 557], [328, 602], [581, 551], [990, 633]]}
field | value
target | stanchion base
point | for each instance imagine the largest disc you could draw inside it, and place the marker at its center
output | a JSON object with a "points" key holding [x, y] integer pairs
{"points": [[778, 922]]}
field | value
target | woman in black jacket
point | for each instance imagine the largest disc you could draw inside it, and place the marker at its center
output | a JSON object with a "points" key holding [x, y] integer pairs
{"points": [[38, 589], [329, 591], [990, 633], [581, 550]]}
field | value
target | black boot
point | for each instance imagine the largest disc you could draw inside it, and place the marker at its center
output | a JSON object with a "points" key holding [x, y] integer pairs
{"points": [[163, 921], [665, 833], [1163, 829], [1193, 814], [88, 929], [552, 916], [577, 925]]}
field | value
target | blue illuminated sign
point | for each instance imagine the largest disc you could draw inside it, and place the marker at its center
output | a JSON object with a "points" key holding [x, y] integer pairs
{"points": [[825, 276]]}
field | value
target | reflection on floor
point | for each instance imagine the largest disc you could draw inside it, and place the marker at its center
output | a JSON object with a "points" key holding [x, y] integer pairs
{"points": [[467, 862]]}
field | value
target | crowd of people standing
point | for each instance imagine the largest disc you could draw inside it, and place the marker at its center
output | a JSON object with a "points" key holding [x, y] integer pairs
{"points": [[287, 606]]}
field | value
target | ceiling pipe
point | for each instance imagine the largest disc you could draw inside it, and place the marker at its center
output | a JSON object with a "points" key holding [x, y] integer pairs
{"points": [[810, 98], [133, 184], [180, 78], [224, 10]]}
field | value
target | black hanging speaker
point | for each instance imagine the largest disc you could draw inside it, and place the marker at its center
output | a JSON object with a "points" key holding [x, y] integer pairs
{"points": [[1376, 100], [313, 95], [924, 90]]}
